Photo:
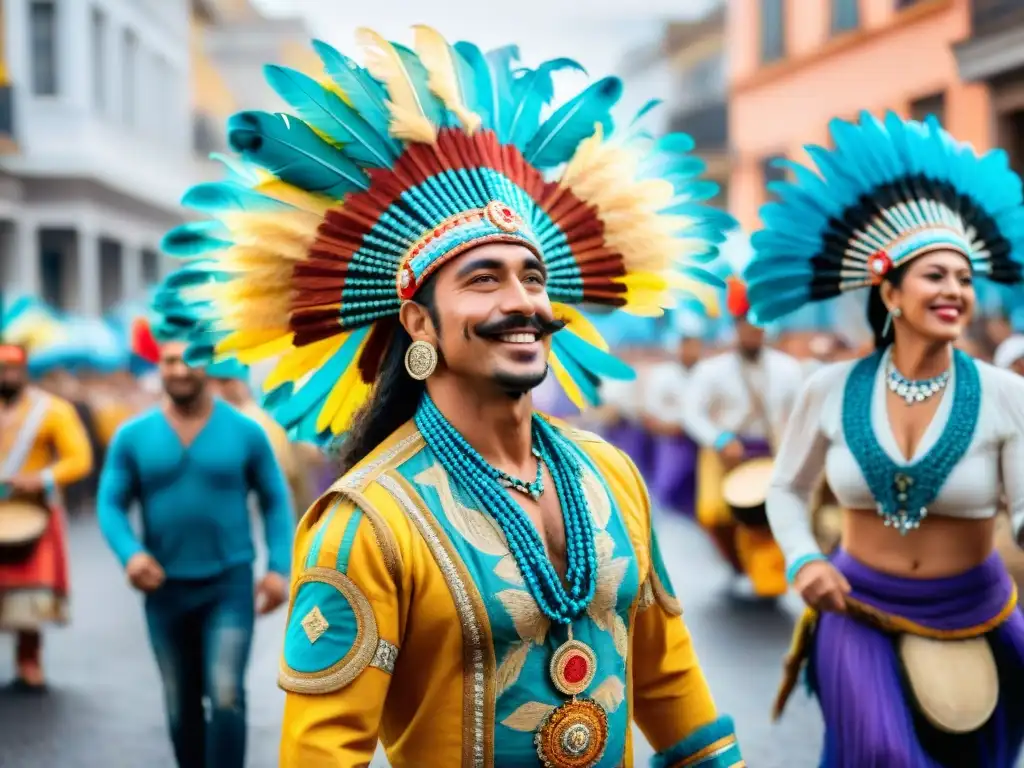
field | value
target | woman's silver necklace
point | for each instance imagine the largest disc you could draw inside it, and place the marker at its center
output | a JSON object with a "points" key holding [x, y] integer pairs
{"points": [[914, 391]]}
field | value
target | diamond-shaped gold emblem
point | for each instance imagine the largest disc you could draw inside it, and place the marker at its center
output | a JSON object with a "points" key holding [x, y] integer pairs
{"points": [[315, 624]]}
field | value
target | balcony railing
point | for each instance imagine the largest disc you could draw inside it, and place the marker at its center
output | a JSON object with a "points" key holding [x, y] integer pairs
{"points": [[707, 125], [990, 16]]}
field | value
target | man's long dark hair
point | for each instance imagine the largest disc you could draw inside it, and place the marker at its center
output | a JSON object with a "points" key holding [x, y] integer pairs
{"points": [[395, 396]]}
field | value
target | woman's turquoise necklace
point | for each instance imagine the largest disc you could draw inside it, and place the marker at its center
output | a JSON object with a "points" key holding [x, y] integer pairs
{"points": [[903, 493], [490, 486]]}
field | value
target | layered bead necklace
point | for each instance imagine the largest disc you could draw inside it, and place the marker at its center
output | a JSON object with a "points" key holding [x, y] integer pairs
{"points": [[491, 486], [914, 391]]}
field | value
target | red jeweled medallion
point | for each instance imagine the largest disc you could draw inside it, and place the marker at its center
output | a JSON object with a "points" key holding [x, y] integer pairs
{"points": [[573, 736], [502, 216], [572, 667], [406, 282], [879, 264]]}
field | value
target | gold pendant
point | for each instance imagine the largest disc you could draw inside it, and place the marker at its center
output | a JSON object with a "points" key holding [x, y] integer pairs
{"points": [[573, 736]]}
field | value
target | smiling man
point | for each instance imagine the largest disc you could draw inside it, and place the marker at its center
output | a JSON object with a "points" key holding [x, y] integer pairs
{"points": [[482, 587]]}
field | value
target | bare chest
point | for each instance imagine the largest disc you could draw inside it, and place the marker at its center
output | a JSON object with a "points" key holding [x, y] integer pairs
{"points": [[910, 423]]}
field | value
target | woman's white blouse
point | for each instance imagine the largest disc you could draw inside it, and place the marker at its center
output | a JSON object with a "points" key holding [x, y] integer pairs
{"points": [[814, 441]]}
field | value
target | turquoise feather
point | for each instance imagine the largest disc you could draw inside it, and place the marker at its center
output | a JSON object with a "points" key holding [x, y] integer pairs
{"points": [[560, 135], [532, 92], [326, 112], [486, 100], [645, 110], [587, 383], [314, 392], [194, 239], [501, 99], [289, 149], [368, 97], [432, 107], [238, 170], [593, 359], [219, 196]]}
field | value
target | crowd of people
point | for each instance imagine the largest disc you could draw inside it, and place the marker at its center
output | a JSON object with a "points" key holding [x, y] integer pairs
{"points": [[477, 579]]}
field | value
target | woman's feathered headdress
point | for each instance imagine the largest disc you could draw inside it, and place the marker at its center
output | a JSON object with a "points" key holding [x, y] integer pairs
{"points": [[336, 214], [888, 192]]}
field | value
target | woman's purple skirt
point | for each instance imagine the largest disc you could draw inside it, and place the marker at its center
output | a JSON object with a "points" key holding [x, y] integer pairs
{"points": [[634, 441], [673, 479], [870, 717]]}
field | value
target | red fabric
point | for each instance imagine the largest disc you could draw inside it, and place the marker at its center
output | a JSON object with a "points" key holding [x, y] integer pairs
{"points": [[12, 354], [736, 300], [48, 566], [144, 344]]}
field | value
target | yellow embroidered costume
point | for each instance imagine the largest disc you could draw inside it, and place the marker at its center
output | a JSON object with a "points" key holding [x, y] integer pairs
{"points": [[425, 612]]}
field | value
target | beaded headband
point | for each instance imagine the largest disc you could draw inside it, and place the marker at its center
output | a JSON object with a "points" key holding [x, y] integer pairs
{"points": [[334, 215], [887, 193]]}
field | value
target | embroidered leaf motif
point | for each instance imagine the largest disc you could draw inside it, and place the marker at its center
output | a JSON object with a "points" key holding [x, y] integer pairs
{"points": [[610, 573], [508, 570], [610, 694], [621, 635], [528, 717], [597, 499], [646, 596], [511, 667], [474, 526], [531, 624]]}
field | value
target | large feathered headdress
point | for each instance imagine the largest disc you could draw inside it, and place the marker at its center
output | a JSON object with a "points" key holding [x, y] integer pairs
{"points": [[888, 192], [337, 214]]}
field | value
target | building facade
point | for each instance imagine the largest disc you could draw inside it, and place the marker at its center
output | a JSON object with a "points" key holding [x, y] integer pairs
{"points": [[796, 64], [97, 149]]}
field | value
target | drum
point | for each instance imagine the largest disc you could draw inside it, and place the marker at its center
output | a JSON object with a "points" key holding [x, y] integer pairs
{"points": [[745, 489], [22, 524]]}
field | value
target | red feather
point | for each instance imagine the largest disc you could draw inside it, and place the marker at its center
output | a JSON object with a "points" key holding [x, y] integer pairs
{"points": [[736, 300], [144, 344]]}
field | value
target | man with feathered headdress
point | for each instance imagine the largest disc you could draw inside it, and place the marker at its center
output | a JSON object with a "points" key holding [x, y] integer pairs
{"points": [[43, 449], [483, 586]]}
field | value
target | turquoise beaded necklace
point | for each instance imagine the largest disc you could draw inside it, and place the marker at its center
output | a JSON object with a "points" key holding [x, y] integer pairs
{"points": [[472, 471], [903, 493]]}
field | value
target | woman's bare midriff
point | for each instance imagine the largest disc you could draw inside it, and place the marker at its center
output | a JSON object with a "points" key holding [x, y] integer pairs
{"points": [[942, 546]]}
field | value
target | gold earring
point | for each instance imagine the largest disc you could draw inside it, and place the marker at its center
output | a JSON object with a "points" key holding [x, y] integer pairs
{"points": [[420, 360]]}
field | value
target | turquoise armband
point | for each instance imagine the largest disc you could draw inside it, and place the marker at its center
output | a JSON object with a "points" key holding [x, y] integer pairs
{"points": [[711, 746], [723, 440], [799, 563]]}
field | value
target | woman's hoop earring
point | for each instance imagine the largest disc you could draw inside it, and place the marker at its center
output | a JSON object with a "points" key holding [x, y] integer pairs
{"points": [[894, 312], [420, 360]]}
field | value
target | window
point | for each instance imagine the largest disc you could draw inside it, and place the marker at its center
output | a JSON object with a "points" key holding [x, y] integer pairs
{"points": [[111, 274], [43, 30], [129, 66], [773, 30], [771, 172], [935, 104], [845, 15], [150, 267], [99, 62]]}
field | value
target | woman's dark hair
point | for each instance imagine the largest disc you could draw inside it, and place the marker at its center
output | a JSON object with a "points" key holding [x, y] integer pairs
{"points": [[877, 311], [395, 397]]}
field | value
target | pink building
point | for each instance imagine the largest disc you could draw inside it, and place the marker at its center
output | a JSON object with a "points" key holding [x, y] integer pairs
{"points": [[795, 64]]}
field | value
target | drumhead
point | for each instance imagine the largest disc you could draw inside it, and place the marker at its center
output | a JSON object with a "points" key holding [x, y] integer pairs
{"points": [[747, 485], [20, 522]]}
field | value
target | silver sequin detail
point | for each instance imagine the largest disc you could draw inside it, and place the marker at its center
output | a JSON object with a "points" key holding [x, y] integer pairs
{"points": [[385, 657], [355, 479], [463, 605]]}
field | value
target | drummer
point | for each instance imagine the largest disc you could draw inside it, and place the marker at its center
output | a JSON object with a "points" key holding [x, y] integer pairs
{"points": [[674, 461], [43, 448], [736, 406]]}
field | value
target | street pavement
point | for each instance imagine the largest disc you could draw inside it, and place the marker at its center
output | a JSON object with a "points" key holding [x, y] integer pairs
{"points": [[105, 708]]}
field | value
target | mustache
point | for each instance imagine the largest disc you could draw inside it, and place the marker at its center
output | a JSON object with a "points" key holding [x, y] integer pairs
{"points": [[513, 323]]}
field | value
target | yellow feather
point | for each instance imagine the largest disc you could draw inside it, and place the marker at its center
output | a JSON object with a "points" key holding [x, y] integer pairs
{"points": [[579, 324], [299, 224], [248, 339], [289, 193], [264, 351], [335, 410], [443, 81], [408, 118], [299, 361], [571, 390]]}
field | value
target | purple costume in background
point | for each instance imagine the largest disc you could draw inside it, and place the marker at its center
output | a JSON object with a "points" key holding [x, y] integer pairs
{"points": [[878, 726], [673, 482]]}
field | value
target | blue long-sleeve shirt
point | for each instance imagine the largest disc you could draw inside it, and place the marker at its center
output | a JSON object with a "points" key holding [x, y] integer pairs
{"points": [[194, 500]]}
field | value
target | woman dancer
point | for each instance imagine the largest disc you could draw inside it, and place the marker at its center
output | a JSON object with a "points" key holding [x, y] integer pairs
{"points": [[917, 441]]}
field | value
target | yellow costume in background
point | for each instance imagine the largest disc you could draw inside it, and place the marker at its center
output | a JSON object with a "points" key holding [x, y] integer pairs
{"points": [[410, 623]]}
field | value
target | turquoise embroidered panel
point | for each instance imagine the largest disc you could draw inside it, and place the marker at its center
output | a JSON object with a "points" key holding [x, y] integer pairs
{"points": [[524, 639], [322, 628]]}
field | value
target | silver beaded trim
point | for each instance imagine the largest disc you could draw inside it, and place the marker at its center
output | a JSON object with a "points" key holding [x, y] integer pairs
{"points": [[385, 657], [463, 606]]}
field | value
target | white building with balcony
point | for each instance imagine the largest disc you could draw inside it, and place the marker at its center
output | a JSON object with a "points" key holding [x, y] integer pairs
{"points": [[100, 146]]}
